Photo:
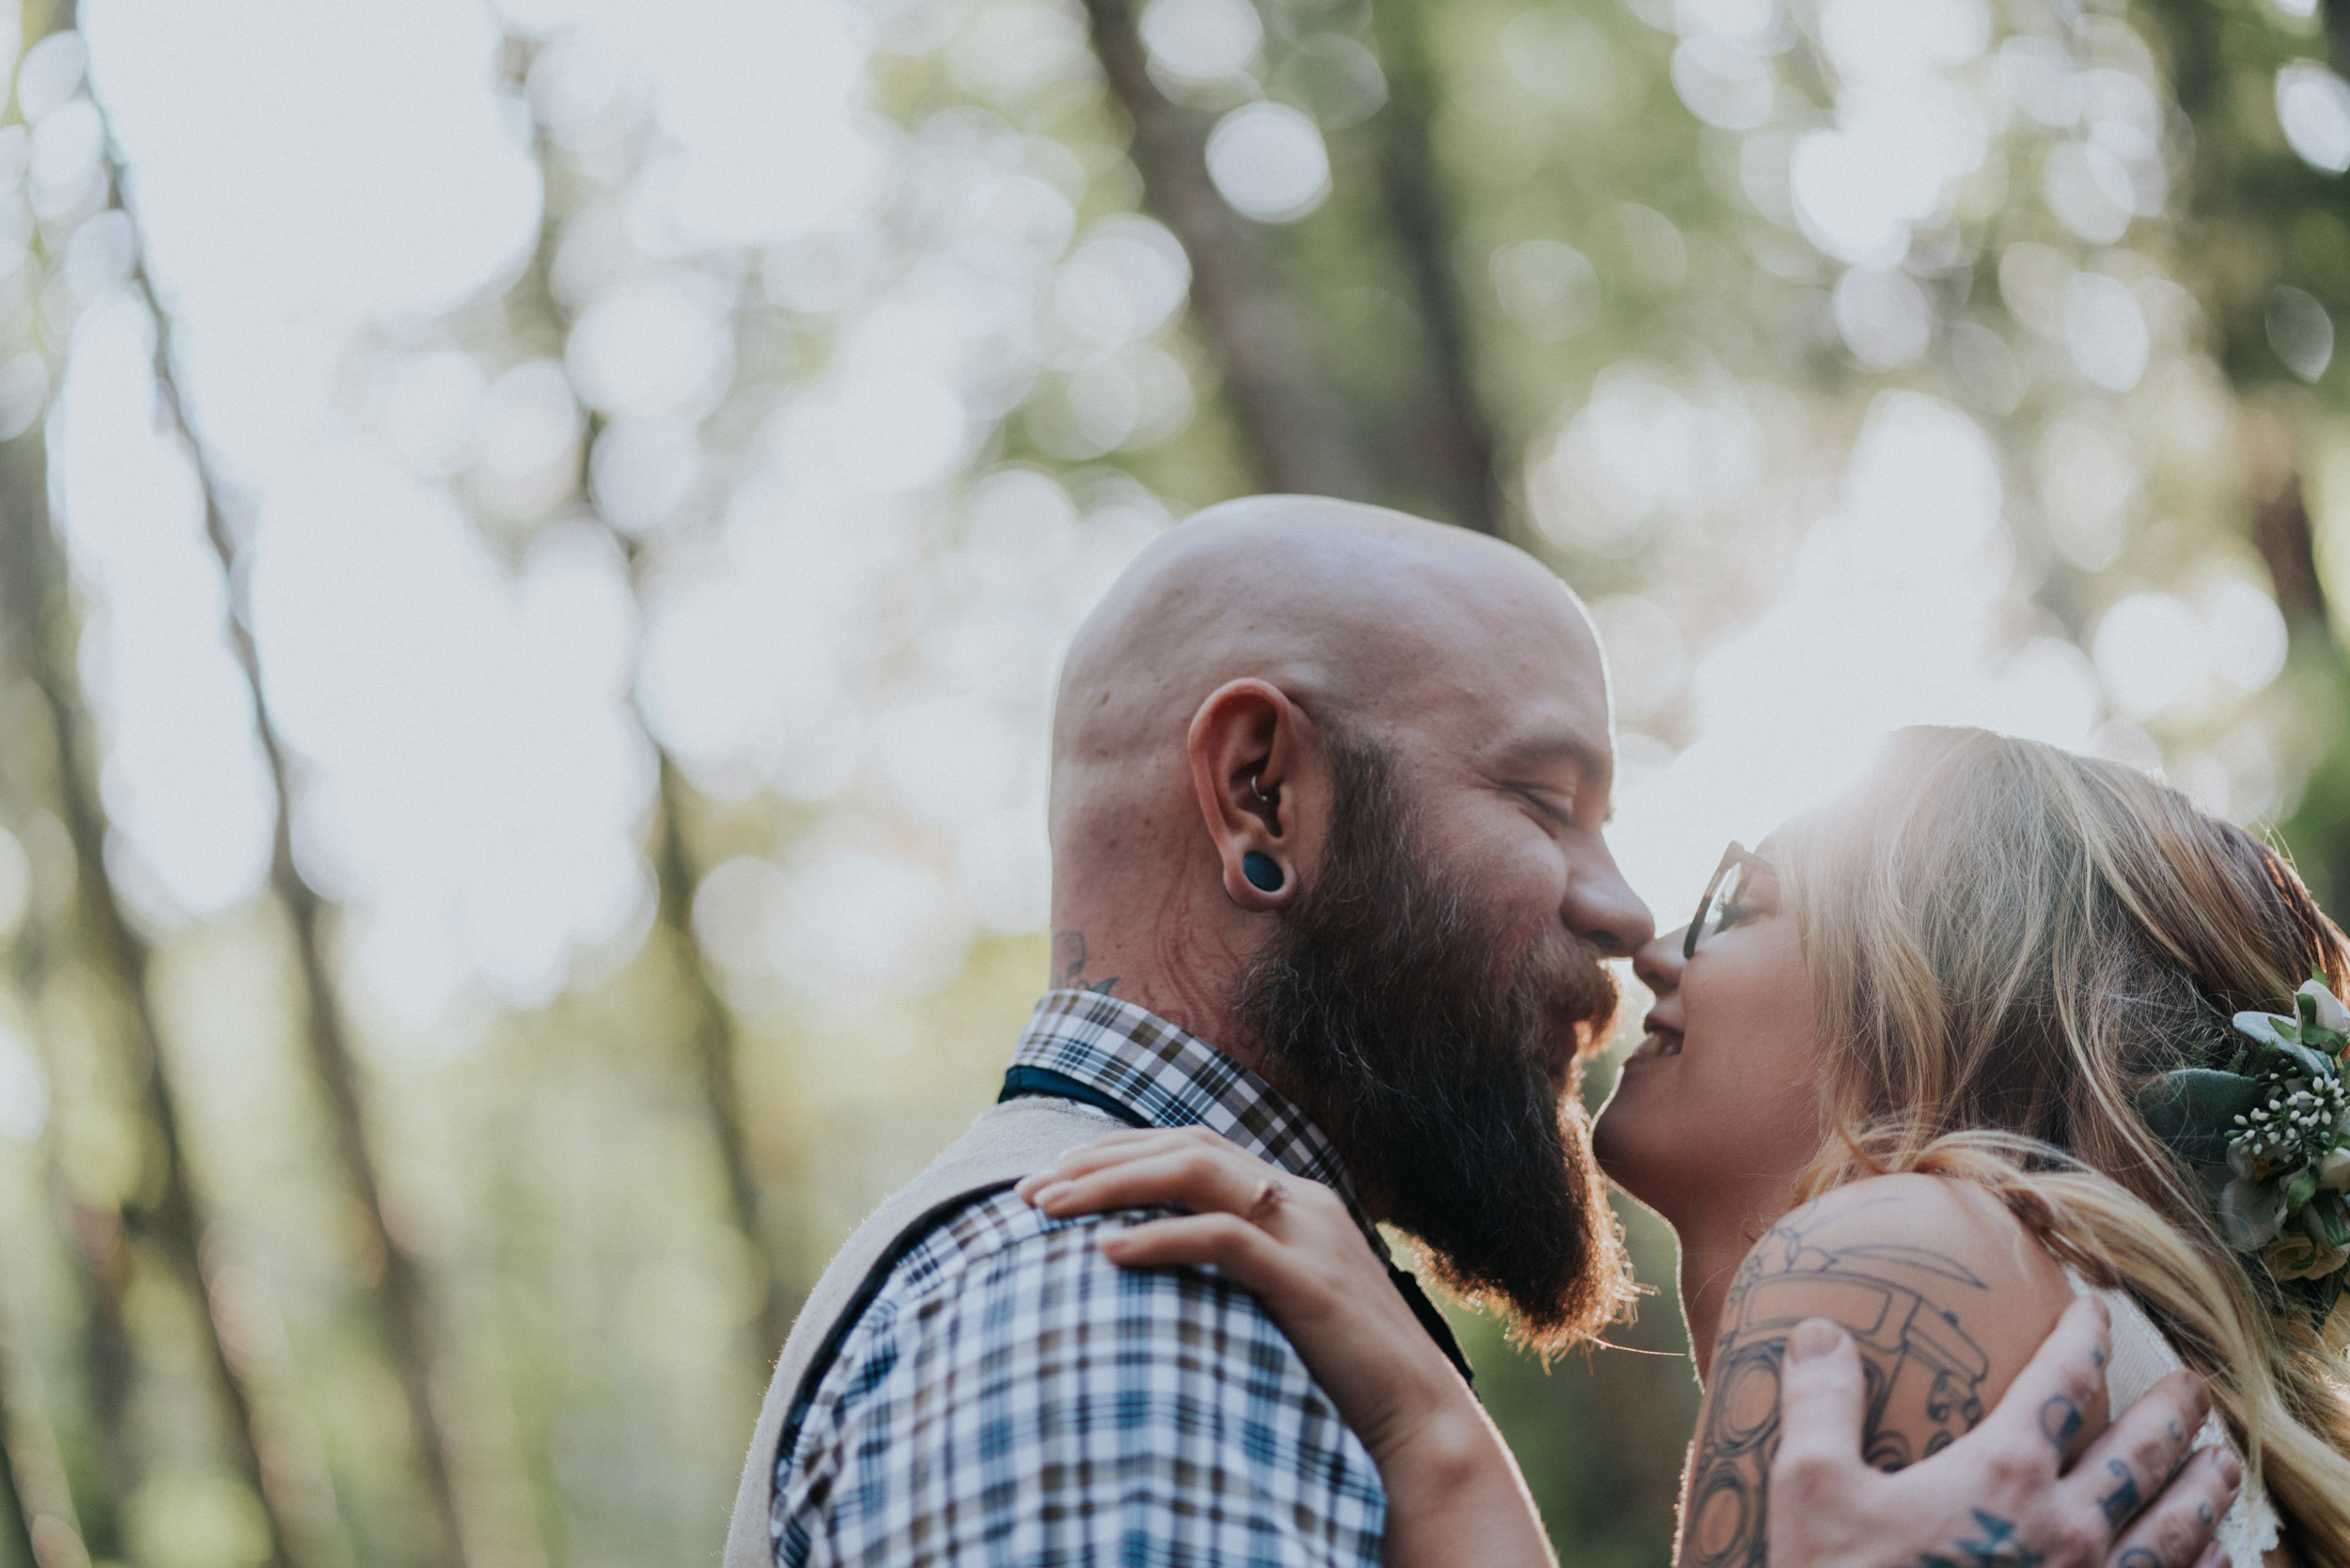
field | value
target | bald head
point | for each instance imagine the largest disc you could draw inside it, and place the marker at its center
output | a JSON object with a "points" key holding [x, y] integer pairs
{"points": [[1362, 615]]}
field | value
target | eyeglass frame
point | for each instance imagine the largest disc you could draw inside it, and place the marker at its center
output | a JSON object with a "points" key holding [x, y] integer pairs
{"points": [[1737, 854]]}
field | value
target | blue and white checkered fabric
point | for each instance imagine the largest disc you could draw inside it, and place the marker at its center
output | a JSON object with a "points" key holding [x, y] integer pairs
{"points": [[1013, 1396]]}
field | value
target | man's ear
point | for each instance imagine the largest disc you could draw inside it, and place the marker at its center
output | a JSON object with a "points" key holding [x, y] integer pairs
{"points": [[1245, 746]]}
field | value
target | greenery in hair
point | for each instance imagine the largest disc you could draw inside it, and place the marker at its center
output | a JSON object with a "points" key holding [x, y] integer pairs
{"points": [[2269, 1135]]}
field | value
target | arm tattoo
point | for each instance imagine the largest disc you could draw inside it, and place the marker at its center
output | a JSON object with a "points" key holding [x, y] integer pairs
{"points": [[1068, 965], [1922, 1371]]}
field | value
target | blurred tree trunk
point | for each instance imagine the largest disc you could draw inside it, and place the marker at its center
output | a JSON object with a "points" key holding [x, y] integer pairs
{"points": [[95, 1242], [716, 1041], [2243, 193], [2337, 18], [33, 581], [42, 1520], [402, 1299], [718, 1044], [2281, 531], [1292, 427], [1460, 444], [99, 1246], [16, 1527]]}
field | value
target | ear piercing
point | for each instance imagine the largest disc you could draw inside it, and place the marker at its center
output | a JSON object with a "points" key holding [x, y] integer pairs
{"points": [[1262, 872]]}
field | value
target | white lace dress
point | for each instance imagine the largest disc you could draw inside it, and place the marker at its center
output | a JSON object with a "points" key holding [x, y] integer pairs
{"points": [[2141, 1358]]}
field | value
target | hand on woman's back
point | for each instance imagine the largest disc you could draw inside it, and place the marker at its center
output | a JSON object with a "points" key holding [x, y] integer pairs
{"points": [[1945, 1294]]}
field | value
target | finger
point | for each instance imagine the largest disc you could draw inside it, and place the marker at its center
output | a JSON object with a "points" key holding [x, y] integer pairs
{"points": [[1306, 1287], [1141, 1143], [1095, 1153], [1246, 1254], [2060, 1396], [2123, 1471], [1191, 1178], [1104, 1153], [1821, 1393], [2175, 1530]]}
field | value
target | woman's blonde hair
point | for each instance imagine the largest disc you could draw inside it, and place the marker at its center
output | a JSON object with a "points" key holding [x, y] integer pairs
{"points": [[2005, 942]]}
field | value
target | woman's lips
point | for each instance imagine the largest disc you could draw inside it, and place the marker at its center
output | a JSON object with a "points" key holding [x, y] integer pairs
{"points": [[1655, 1045]]}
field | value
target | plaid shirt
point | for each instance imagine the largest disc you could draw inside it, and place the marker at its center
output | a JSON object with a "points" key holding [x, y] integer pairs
{"points": [[1013, 1396]]}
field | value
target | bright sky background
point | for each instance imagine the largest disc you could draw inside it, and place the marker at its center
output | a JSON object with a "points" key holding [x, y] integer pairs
{"points": [[321, 183]]}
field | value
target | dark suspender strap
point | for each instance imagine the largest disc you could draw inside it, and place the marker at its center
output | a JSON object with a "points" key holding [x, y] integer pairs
{"points": [[1022, 1083], [1432, 1321], [1042, 1082]]}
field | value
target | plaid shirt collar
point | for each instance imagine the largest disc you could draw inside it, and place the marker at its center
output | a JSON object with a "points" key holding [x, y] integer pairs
{"points": [[1171, 1078]]}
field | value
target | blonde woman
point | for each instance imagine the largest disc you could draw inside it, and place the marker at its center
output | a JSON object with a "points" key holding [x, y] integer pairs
{"points": [[1928, 1065]]}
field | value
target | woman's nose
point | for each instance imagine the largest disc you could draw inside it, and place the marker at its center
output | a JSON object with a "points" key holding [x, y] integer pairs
{"points": [[1659, 962]]}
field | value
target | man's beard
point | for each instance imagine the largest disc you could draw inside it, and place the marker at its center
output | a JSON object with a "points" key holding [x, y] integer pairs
{"points": [[1393, 1010]]}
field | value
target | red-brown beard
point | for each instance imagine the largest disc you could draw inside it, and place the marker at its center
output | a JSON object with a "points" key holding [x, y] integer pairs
{"points": [[1442, 1056]]}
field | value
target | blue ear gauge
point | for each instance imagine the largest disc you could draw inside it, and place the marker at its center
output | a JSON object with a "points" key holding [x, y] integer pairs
{"points": [[1262, 872]]}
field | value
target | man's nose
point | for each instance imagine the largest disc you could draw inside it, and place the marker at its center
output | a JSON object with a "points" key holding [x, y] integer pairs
{"points": [[1658, 964], [1603, 909]]}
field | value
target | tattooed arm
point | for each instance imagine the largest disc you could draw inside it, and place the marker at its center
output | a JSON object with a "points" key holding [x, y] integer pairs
{"points": [[1946, 1295]]}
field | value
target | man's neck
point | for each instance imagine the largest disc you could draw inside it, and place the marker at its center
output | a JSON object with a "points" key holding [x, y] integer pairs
{"points": [[1169, 971]]}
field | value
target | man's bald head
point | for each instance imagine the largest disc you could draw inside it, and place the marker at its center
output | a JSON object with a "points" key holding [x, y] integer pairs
{"points": [[1365, 616], [1327, 784]]}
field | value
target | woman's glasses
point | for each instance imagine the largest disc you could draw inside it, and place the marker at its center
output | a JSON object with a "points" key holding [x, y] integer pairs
{"points": [[1739, 868]]}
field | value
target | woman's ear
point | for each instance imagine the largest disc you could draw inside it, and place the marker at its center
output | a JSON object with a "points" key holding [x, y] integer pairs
{"points": [[1245, 743]]}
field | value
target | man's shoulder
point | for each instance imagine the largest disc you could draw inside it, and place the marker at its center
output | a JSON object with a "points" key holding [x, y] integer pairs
{"points": [[1001, 1300], [998, 1247], [1011, 1393]]}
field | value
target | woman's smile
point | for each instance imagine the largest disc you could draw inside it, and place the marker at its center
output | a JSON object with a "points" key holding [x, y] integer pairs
{"points": [[1657, 1044]]}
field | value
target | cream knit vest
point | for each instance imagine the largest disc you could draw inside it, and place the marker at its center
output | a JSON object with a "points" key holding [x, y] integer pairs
{"points": [[1008, 1142]]}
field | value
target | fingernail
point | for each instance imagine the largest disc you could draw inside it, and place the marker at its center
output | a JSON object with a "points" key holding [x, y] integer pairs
{"points": [[1813, 1337], [1051, 1193], [2230, 1469]]}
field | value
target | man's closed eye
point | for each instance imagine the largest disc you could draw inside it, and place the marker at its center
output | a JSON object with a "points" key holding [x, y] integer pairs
{"points": [[1557, 814]]}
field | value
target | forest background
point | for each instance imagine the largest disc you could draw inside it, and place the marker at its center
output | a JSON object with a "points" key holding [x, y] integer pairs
{"points": [[534, 538]]}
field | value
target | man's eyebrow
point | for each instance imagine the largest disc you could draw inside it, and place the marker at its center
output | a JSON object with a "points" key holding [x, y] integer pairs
{"points": [[1551, 747]]}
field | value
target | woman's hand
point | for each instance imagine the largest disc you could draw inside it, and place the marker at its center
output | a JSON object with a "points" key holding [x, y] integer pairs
{"points": [[1454, 1495]]}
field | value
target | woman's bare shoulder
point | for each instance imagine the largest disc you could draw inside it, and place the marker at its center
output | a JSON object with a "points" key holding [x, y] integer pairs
{"points": [[1947, 1295], [1945, 1292], [1946, 1228]]}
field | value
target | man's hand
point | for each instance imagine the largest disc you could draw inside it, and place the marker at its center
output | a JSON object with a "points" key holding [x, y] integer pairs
{"points": [[2025, 1489]]}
